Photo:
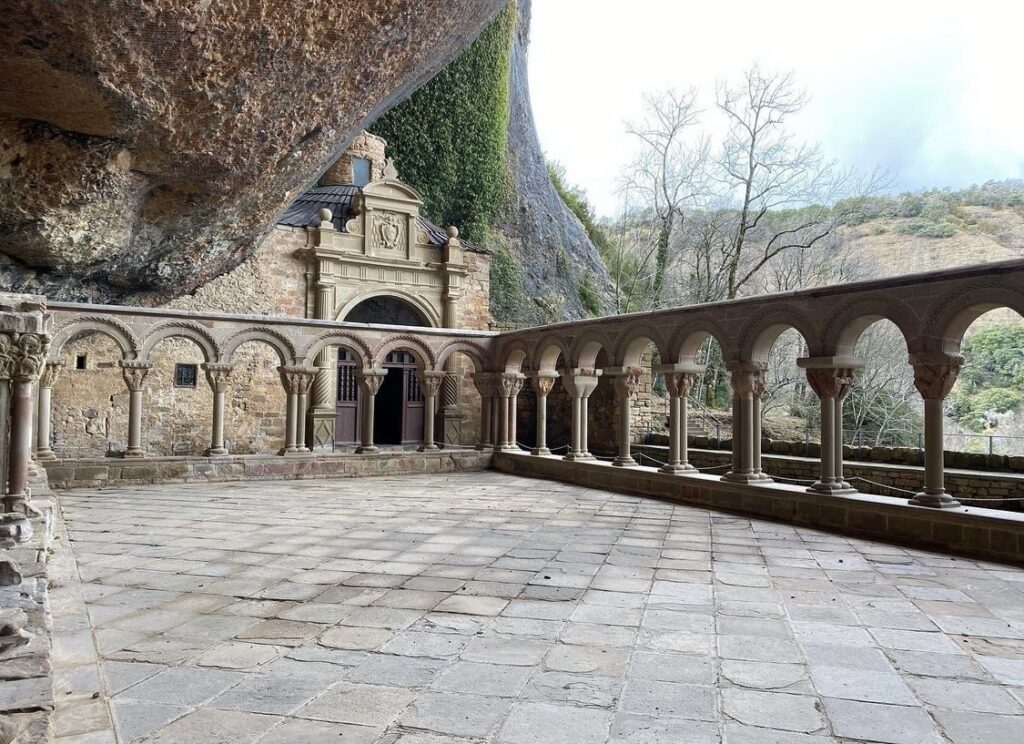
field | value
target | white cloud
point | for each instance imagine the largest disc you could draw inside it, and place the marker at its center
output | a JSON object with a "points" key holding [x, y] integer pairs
{"points": [[929, 90]]}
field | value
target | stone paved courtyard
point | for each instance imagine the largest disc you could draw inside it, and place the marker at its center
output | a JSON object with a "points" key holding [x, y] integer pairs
{"points": [[484, 608]]}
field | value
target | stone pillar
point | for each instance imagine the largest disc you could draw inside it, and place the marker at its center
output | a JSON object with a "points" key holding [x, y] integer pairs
{"points": [[320, 429], [217, 375], [934, 376], [627, 383], [830, 378], [44, 416], [579, 383], [840, 399], [134, 373], [543, 382], [496, 431], [296, 380], [430, 382], [510, 385], [747, 381], [679, 380], [22, 358], [484, 382], [369, 381], [450, 417]]}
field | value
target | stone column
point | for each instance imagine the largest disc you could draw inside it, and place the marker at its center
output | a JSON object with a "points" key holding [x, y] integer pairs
{"points": [[679, 380], [217, 375], [320, 431], [627, 383], [134, 373], [579, 383], [302, 405], [22, 358], [934, 376], [830, 379], [510, 384], [296, 380], [497, 434], [747, 384], [430, 381], [44, 416], [840, 399], [484, 383], [757, 393], [369, 381], [543, 383]]}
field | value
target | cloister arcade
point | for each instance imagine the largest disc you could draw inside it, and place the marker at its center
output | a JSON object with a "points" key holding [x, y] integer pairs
{"points": [[932, 311]]}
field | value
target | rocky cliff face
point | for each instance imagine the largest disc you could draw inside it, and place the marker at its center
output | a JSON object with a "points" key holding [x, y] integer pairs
{"points": [[146, 146], [555, 255]]}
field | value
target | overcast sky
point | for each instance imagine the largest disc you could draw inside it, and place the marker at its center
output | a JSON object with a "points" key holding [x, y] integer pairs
{"points": [[931, 91]]}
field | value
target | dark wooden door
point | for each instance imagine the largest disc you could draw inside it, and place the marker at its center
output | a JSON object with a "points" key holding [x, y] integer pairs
{"points": [[346, 411]]}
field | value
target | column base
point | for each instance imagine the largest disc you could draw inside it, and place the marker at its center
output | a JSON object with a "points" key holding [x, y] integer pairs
{"points": [[941, 500], [46, 454], [740, 477], [624, 461], [832, 488], [216, 452], [578, 456], [20, 503], [427, 447], [541, 452], [367, 449], [134, 453], [677, 468], [485, 446]]}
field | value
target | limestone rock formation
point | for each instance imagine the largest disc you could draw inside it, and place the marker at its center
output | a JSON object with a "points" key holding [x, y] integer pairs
{"points": [[145, 147], [555, 255]]}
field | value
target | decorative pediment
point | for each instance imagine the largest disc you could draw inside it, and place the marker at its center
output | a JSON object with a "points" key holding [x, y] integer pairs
{"points": [[391, 189]]}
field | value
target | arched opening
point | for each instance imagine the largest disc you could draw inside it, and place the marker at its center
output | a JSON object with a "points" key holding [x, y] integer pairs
{"points": [[789, 410], [399, 411], [883, 408], [254, 410], [90, 401], [386, 310], [176, 385]]}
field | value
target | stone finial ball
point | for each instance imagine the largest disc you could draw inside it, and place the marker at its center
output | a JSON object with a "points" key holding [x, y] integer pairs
{"points": [[326, 215], [452, 231]]}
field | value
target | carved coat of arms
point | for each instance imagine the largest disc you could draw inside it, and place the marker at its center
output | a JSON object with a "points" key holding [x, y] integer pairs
{"points": [[389, 230]]}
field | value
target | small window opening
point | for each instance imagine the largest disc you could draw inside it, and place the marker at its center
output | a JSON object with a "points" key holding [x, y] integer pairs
{"points": [[360, 171], [81, 361], [185, 375]]}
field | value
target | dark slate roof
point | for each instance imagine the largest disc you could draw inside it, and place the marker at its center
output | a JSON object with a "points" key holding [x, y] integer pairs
{"points": [[305, 212]]}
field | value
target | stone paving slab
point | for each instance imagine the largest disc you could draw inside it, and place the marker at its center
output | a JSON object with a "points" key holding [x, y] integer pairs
{"points": [[481, 608]]}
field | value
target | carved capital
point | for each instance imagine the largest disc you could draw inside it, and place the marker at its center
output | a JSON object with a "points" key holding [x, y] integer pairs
{"points": [[430, 381], [22, 355], [370, 380], [48, 377], [580, 383], [543, 384], [627, 384], [748, 378], [485, 383], [296, 379], [830, 382], [935, 373], [511, 383], [679, 384], [134, 373], [217, 375]]}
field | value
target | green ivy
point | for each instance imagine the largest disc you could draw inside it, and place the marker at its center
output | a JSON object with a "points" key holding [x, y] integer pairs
{"points": [[508, 293], [449, 138]]}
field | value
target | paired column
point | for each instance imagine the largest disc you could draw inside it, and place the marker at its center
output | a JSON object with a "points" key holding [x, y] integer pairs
{"points": [[934, 376], [830, 378], [485, 384], [509, 386], [747, 389], [627, 383], [369, 381], [217, 375], [296, 380], [679, 380], [543, 383], [134, 373], [44, 411], [22, 358], [430, 382], [579, 383]]}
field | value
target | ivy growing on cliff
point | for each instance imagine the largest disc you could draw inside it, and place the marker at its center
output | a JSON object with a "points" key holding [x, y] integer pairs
{"points": [[449, 138]]}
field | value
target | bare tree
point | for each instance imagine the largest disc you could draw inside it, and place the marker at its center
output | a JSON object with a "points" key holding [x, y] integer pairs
{"points": [[668, 172]]}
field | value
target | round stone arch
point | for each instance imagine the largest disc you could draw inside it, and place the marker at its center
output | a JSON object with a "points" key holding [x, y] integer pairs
{"points": [[474, 352], [281, 346], [513, 355], [425, 358], [118, 332], [426, 314], [949, 317], [548, 351], [760, 334], [634, 342], [336, 338], [688, 340], [589, 347], [850, 322], [181, 329]]}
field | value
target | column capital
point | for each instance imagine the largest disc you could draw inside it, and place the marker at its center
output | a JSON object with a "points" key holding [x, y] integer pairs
{"points": [[935, 373], [485, 383], [370, 380], [543, 382], [679, 384], [296, 378], [22, 355], [134, 373], [430, 380], [580, 382], [627, 380], [51, 371], [217, 375], [830, 382], [747, 377], [510, 384]]}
